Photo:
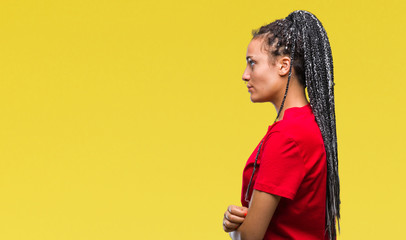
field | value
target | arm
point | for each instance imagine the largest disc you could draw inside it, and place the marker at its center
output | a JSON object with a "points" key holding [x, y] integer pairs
{"points": [[260, 212], [280, 175]]}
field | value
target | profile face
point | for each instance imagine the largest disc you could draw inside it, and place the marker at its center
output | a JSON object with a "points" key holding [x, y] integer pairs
{"points": [[260, 74]]}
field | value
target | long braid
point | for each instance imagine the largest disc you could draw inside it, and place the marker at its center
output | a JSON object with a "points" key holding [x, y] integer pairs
{"points": [[320, 86], [302, 35]]}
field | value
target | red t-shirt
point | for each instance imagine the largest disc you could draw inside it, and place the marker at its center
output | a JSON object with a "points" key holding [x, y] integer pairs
{"points": [[292, 164]]}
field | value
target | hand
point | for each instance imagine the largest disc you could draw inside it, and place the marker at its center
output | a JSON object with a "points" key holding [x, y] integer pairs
{"points": [[233, 217]]}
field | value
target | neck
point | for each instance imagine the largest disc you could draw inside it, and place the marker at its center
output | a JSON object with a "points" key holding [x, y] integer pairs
{"points": [[296, 97]]}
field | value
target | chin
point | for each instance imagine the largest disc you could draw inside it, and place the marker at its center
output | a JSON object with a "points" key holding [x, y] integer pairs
{"points": [[254, 100]]}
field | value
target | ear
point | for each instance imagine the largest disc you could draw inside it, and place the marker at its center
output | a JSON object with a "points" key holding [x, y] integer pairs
{"points": [[283, 65]]}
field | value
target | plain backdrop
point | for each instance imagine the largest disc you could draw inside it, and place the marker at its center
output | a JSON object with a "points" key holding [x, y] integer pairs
{"points": [[129, 119]]}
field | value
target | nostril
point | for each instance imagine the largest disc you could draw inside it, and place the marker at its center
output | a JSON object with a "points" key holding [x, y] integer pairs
{"points": [[245, 77]]}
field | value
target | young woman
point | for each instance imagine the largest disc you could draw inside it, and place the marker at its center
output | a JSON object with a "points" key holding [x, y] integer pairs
{"points": [[290, 182]]}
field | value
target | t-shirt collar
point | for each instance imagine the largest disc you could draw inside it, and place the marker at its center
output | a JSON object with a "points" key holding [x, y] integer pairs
{"points": [[293, 112], [297, 111]]}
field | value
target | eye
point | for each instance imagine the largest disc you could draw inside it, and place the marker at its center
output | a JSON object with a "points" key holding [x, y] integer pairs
{"points": [[251, 62]]}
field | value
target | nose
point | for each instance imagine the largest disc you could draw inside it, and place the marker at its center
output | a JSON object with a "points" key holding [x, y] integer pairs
{"points": [[246, 75]]}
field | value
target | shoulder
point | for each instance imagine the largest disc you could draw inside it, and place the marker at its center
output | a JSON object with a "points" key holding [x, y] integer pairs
{"points": [[303, 131], [279, 143]]}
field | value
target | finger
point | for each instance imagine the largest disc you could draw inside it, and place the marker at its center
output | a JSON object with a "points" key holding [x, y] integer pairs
{"points": [[238, 211], [229, 226], [242, 208], [226, 229], [233, 218]]}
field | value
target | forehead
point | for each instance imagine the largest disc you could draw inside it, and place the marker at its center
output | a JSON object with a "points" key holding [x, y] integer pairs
{"points": [[256, 48]]}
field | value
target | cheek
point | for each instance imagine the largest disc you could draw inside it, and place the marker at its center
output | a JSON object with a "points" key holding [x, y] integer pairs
{"points": [[267, 86], [264, 81], [263, 78]]}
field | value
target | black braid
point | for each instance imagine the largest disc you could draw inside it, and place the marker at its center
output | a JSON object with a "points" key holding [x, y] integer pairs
{"points": [[302, 35], [292, 57]]}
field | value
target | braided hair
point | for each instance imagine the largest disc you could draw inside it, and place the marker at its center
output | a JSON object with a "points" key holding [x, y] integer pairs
{"points": [[302, 36]]}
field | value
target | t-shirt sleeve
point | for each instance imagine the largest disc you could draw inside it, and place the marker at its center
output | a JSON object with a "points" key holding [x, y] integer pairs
{"points": [[281, 169]]}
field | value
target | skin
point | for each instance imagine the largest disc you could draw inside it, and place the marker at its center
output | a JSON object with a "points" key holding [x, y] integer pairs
{"points": [[266, 81]]}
